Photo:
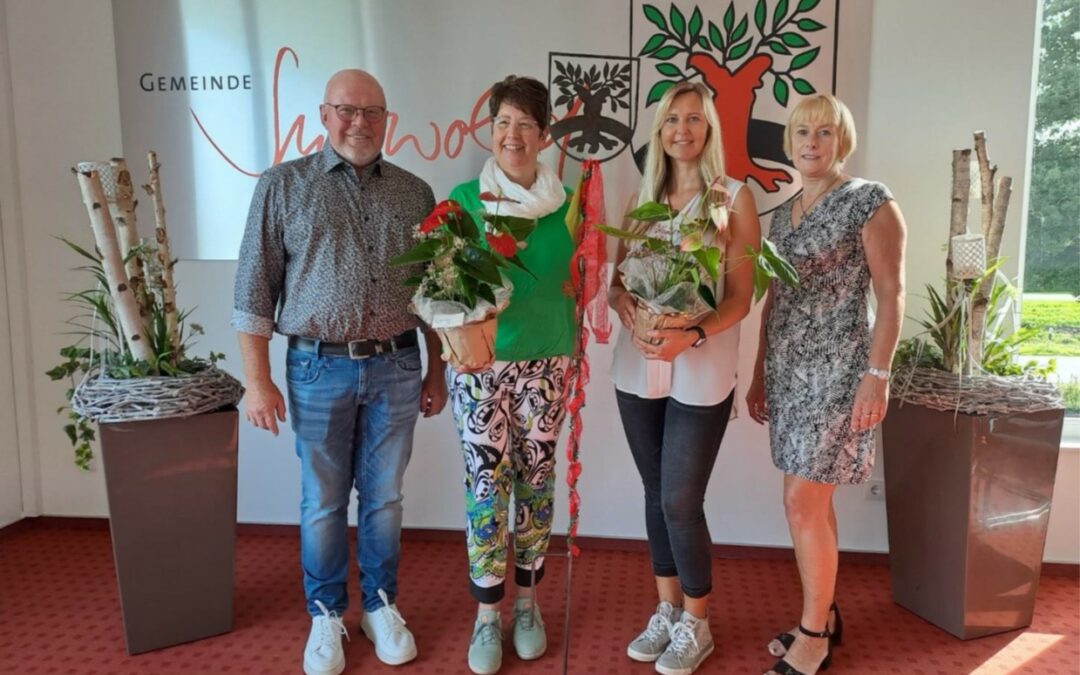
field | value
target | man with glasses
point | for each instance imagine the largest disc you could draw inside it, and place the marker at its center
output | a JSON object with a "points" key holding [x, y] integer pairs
{"points": [[313, 266]]}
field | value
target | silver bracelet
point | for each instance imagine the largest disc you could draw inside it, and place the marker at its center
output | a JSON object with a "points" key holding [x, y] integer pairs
{"points": [[878, 373]]}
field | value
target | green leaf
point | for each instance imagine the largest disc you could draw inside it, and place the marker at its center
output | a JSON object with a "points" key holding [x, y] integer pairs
{"points": [[414, 281], [809, 25], [620, 233], [656, 16], [794, 40], [779, 14], [807, 5], [729, 17], [702, 42], [715, 37], [516, 262], [69, 429], [780, 91], [761, 281], [803, 60], [777, 47], [739, 50], [652, 212], [709, 259], [422, 252], [469, 262], [740, 30], [518, 228], [485, 293], [707, 295], [653, 44], [657, 91], [81, 251], [759, 16], [802, 86], [669, 69], [678, 22], [695, 24], [665, 53]]}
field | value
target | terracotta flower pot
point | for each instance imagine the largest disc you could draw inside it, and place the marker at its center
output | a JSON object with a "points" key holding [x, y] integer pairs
{"points": [[645, 320], [469, 347]]}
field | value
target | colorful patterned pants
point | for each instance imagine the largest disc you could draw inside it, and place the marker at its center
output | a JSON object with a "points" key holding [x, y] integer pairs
{"points": [[509, 418]]}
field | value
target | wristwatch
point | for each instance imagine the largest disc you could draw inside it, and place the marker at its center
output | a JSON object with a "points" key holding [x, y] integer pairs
{"points": [[878, 373], [701, 336]]}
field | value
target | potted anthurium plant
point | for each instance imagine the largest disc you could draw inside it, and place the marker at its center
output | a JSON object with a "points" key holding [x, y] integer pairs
{"points": [[462, 289], [166, 421], [673, 278]]}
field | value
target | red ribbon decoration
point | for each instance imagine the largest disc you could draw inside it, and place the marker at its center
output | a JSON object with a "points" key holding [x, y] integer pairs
{"points": [[589, 279]]}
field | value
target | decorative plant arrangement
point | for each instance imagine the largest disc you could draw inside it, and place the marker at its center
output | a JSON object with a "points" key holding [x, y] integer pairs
{"points": [[673, 278], [131, 358], [462, 289], [966, 359]]}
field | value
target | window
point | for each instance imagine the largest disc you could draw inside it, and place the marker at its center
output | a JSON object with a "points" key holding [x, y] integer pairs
{"points": [[1051, 301]]}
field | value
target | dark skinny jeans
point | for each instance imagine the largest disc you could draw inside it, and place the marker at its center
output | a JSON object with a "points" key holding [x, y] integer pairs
{"points": [[675, 446]]}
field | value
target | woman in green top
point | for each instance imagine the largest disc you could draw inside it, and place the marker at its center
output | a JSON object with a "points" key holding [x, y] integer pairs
{"points": [[510, 413]]}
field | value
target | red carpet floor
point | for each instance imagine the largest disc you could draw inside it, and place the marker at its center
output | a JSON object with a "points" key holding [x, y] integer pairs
{"points": [[59, 614]]}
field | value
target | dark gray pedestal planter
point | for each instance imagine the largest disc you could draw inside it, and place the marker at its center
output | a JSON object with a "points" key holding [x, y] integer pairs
{"points": [[172, 512], [968, 501]]}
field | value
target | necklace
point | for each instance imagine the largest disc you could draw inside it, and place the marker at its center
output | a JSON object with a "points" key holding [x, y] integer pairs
{"points": [[821, 194]]}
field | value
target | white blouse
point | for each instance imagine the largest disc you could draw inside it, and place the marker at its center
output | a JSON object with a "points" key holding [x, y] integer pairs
{"points": [[698, 376]]}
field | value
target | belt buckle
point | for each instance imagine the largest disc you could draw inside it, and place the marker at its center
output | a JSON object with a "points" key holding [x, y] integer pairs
{"points": [[354, 350]]}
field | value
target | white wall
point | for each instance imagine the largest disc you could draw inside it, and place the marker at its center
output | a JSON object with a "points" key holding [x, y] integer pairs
{"points": [[65, 104]]}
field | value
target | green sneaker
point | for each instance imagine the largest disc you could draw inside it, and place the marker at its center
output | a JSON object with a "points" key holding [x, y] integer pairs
{"points": [[530, 640], [485, 647]]}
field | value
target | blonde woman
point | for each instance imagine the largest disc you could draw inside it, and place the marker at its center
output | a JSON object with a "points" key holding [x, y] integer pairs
{"points": [[675, 396], [821, 378]]}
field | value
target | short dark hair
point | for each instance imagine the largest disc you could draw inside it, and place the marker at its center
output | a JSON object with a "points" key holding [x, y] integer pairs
{"points": [[525, 93]]}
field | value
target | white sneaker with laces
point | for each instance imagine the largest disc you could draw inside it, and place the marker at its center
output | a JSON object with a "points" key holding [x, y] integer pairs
{"points": [[691, 643], [323, 654], [651, 642], [394, 644]]}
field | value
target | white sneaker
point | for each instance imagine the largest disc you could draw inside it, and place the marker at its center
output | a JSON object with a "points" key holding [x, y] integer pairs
{"points": [[323, 654], [394, 644]]}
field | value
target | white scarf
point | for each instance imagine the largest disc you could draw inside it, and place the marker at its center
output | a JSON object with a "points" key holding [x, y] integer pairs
{"points": [[545, 196]]}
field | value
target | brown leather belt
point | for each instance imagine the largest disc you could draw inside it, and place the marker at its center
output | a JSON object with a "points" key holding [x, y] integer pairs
{"points": [[357, 349]]}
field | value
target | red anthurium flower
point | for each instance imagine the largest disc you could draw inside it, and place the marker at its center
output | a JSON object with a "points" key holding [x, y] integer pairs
{"points": [[439, 215], [502, 244]]}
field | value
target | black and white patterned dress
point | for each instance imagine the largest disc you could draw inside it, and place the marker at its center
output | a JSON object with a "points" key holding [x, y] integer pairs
{"points": [[819, 337]]}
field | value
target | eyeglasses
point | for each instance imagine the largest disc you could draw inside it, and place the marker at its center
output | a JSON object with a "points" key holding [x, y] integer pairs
{"points": [[347, 113], [522, 127]]}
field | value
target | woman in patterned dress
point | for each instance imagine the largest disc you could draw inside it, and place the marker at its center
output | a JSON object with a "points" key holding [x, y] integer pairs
{"points": [[509, 414], [821, 378], [675, 396]]}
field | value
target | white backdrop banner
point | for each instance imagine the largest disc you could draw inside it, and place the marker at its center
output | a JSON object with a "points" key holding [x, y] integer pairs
{"points": [[223, 89]]}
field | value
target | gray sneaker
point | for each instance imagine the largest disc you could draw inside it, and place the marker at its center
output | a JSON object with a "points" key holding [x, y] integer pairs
{"points": [[651, 643], [691, 643]]}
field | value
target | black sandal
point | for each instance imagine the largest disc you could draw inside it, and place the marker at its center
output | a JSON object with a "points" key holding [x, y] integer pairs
{"points": [[836, 639], [784, 668]]}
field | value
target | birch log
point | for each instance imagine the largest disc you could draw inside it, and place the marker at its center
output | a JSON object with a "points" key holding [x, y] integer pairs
{"points": [[122, 209], [994, 208], [164, 255], [986, 179], [127, 310], [961, 190]]}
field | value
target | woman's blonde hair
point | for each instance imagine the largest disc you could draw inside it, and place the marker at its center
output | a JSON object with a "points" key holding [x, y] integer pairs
{"points": [[655, 174], [823, 108]]}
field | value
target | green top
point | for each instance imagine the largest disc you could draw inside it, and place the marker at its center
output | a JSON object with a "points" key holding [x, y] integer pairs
{"points": [[539, 322]]}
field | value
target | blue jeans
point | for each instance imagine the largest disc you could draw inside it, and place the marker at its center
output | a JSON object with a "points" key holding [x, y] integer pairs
{"points": [[675, 446], [354, 423]]}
